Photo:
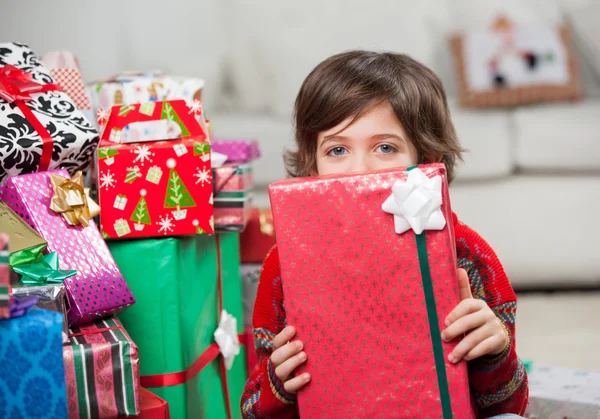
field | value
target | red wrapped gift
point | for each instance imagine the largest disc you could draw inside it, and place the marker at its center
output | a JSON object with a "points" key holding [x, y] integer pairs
{"points": [[152, 406], [258, 238], [368, 265], [154, 172]]}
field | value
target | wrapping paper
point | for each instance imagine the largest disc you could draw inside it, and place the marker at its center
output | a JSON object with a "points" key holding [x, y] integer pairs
{"points": [[50, 297], [98, 289], [233, 186], [74, 138], [258, 238], [127, 89], [152, 406], [64, 69], [557, 393], [335, 242], [4, 277], [102, 371], [154, 188], [32, 376], [237, 151], [173, 321], [250, 275]]}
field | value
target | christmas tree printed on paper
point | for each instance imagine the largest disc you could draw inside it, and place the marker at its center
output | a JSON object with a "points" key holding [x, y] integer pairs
{"points": [[141, 215], [199, 229], [202, 150], [169, 113], [177, 195], [133, 173], [108, 155]]}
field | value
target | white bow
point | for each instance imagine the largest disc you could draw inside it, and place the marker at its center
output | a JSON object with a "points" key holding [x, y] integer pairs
{"points": [[416, 203], [227, 338]]}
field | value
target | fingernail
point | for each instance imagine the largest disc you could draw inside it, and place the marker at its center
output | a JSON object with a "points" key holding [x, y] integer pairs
{"points": [[452, 358], [289, 329], [444, 337], [302, 356], [306, 377], [447, 322], [299, 345]]}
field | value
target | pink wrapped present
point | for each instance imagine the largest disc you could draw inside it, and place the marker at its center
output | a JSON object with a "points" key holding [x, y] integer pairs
{"points": [[64, 69], [237, 151], [98, 290]]}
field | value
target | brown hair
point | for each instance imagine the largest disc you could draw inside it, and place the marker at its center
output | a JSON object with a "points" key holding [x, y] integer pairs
{"points": [[349, 84]]}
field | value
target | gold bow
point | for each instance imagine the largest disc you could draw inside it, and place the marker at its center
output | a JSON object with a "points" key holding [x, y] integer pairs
{"points": [[72, 200]]}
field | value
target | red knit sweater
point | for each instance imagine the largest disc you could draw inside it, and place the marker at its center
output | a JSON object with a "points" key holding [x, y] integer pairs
{"points": [[498, 385]]}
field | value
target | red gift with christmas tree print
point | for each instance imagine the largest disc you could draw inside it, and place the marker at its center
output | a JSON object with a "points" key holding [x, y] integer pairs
{"points": [[368, 268], [154, 172]]}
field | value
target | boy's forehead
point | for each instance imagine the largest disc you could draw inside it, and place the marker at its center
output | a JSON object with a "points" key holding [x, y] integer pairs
{"points": [[379, 120]]}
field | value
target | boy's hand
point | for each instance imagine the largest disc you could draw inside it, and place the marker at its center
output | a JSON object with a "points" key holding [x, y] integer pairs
{"points": [[286, 357], [485, 333]]}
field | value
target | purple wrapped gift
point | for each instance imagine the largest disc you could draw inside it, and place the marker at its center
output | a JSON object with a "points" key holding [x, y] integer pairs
{"points": [[98, 290], [237, 151]]}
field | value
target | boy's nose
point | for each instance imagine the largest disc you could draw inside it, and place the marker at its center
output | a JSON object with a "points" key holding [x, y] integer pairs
{"points": [[360, 164]]}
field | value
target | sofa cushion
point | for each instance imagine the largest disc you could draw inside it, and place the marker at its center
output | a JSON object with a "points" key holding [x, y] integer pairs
{"points": [[542, 241], [487, 137], [558, 137], [273, 134]]}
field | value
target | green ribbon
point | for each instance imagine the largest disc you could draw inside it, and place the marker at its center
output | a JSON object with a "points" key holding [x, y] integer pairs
{"points": [[434, 325], [43, 272], [27, 256]]}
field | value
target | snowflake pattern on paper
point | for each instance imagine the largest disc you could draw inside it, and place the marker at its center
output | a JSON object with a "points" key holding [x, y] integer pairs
{"points": [[107, 180], [101, 116], [202, 176], [195, 107], [166, 225], [143, 154]]}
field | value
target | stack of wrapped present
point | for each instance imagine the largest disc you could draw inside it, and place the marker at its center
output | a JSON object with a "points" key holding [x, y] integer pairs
{"points": [[72, 340]]}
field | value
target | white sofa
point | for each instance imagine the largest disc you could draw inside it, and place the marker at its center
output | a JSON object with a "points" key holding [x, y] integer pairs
{"points": [[530, 184]]}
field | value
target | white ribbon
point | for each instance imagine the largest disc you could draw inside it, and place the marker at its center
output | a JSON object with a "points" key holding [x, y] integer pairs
{"points": [[416, 203], [226, 337]]}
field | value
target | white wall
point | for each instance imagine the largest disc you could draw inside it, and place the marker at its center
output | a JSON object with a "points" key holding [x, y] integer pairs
{"points": [[262, 49]]}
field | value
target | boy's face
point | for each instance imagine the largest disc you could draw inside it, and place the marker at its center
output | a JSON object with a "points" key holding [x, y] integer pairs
{"points": [[374, 141]]}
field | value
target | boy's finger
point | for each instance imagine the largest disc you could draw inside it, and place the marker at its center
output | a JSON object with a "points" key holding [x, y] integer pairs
{"points": [[464, 285], [286, 351], [286, 368], [483, 348], [464, 325], [284, 337], [296, 383], [465, 307], [468, 343]]}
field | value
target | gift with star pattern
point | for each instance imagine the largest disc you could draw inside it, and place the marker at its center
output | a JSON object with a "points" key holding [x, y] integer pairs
{"points": [[372, 257], [154, 172]]}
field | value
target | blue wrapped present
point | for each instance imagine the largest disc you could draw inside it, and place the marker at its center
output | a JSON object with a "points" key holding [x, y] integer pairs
{"points": [[32, 375]]}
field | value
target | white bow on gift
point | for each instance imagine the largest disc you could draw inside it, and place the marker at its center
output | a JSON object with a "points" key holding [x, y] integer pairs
{"points": [[226, 337], [416, 203]]}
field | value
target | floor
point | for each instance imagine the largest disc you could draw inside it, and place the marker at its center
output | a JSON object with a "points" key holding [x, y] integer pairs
{"points": [[560, 329]]}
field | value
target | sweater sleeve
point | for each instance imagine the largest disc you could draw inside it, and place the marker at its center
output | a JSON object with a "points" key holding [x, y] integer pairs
{"points": [[264, 395], [499, 384]]}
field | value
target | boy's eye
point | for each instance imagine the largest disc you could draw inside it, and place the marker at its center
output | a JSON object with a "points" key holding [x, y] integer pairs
{"points": [[337, 151], [386, 149]]}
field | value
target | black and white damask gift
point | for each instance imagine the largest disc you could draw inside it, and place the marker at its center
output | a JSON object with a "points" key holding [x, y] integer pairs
{"points": [[40, 126]]}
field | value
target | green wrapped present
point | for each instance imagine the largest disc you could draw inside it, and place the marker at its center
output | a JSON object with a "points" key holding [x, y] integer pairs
{"points": [[178, 292]]}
